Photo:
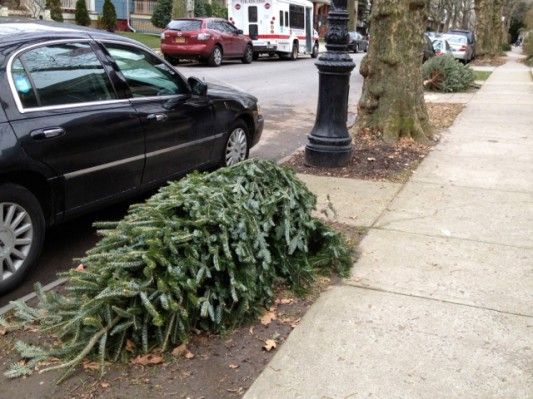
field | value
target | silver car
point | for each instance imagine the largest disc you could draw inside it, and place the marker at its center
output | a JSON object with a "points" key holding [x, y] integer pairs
{"points": [[441, 46], [461, 49]]}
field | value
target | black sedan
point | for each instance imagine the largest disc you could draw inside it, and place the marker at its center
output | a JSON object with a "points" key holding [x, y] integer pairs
{"points": [[357, 42], [89, 118]]}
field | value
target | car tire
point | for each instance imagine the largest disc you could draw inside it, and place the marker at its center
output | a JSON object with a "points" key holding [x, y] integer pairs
{"points": [[248, 55], [22, 231], [294, 53], [237, 147], [314, 52], [172, 59], [215, 58]]}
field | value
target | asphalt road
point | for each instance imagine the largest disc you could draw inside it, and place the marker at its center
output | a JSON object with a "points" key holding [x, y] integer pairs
{"points": [[287, 92]]}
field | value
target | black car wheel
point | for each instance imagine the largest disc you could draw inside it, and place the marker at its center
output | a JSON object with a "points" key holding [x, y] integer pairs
{"points": [[215, 59], [248, 55], [172, 59], [22, 229], [237, 147]]}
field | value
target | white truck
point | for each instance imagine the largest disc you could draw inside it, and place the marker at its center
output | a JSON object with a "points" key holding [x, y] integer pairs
{"points": [[283, 27]]}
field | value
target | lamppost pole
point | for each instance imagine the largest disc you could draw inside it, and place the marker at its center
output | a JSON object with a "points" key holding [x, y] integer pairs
{"points": [[329, 143]]}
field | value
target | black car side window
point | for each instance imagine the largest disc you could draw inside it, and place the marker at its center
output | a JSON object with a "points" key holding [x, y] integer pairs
{"points": [[23, 86], [146, 75], [60, 74]]}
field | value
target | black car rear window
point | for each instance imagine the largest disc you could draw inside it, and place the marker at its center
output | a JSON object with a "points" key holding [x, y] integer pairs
{"points": [[185, 25]]}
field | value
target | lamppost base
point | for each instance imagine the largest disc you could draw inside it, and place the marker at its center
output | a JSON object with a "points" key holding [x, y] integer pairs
{"points": [[321, 156]]}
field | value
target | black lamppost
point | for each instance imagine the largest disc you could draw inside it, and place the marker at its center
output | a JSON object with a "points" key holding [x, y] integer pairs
{"points": [[330, 144]]}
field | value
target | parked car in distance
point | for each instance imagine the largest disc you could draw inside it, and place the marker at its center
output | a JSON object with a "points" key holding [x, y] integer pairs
{"points": [[461, 49], [89, 118], [357, 42], [208, 40], [441, 47], [428, 50], [470, 37]]}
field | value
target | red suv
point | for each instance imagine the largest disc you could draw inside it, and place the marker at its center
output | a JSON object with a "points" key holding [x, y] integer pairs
{"points": [[207, 39]]}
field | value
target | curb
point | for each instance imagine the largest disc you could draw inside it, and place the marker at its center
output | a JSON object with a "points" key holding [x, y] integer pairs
{"points": [[31, 295]]}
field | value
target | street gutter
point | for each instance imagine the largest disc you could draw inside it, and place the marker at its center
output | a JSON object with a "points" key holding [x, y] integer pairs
{"points": [[31, 295]]}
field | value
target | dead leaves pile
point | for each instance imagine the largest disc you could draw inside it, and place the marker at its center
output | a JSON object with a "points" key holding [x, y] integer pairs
{"points": [[271, 314]]}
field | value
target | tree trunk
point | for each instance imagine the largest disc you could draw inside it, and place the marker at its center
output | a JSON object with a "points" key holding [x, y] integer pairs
{"points": [[351, 7], [179, 9], [392, 103], [488, 27]]}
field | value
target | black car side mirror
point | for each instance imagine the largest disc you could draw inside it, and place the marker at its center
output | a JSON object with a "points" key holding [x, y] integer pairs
{"points": [[239, 31], [197, 86]]}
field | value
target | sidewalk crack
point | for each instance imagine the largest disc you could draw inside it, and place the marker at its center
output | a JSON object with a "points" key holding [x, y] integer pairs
{"points": [[353, 285]]}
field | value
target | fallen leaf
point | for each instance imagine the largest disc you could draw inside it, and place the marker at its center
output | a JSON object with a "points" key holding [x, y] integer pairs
{"points": [[180, 350], [295, 322], [3, 331], [234, 366], [148, 359], [269, 345], [285, 301], [251, 330], [105, 385], [371, 159], [267, 317], [189, 355], [130, 346], [80, 268], [91, 366]]}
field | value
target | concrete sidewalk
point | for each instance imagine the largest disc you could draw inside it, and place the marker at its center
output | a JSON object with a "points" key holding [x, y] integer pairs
{"points": [[440, 303]]}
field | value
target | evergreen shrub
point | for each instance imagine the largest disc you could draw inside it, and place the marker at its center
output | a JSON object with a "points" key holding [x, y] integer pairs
{"points": [[446, 74], [162, 13], [56, 12], [81, 14], [109, 16], [205, 253]]}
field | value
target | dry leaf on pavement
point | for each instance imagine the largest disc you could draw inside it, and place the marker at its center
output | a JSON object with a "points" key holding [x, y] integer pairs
{"points": [[286, 301], [180, 350], [269, 345], [148, 359], [234, 366], [189, 355], [91, 366], [105, 385], [267, 317], [80, 268]]}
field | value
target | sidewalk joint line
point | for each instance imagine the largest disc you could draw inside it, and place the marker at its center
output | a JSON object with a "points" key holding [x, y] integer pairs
{"points": [[354, 285], [448, 184], [453, 238]]}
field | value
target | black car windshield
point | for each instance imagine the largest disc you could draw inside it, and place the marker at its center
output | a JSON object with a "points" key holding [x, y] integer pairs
{"points": [[185, 24]]}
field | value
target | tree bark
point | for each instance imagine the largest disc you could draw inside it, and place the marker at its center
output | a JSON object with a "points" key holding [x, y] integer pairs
{"points": [[488, 27], [352, 6], [179, 9], [392, 103]]}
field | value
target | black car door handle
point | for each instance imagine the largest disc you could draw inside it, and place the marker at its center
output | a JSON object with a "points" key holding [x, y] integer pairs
{"points": [[157, 117], [48, 133]]}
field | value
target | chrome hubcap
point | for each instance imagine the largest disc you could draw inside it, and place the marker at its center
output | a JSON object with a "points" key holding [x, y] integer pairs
{"points": [[217, 56], [16, 237], [237, 147]]}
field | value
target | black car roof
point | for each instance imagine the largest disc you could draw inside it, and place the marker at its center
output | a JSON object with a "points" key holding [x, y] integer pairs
{"points": [[30, 30]]}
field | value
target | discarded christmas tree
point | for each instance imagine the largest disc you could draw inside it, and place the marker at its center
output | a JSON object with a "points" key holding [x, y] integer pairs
{"points": [[206, 252]]}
